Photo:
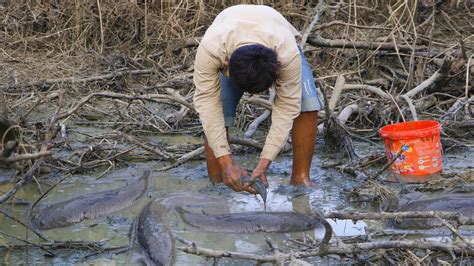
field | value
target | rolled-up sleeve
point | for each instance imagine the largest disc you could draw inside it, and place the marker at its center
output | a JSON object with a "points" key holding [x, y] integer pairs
{"points": [[207, 100], [285, 109]]}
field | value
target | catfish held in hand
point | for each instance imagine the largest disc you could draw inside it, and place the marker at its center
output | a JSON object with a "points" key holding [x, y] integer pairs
{"points": [[90, 206], [258, 186]]}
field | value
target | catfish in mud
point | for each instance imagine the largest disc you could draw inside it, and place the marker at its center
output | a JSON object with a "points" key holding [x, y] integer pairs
{"points": [[250, 222], [154, 236], [90, 206], [459, 203]]}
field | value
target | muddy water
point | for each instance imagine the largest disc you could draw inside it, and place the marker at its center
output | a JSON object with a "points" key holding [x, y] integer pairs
{"points": [[332, 195]]}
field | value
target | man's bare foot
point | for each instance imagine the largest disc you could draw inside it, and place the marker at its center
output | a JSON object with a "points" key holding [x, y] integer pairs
{"points": [[306, 182]]}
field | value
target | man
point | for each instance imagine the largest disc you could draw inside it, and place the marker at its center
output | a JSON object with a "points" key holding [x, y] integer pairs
{"points": [[247, 49]]}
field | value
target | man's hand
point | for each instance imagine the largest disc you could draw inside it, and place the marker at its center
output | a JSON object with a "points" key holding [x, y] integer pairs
{"points": [[232, 173], [260, 172]]}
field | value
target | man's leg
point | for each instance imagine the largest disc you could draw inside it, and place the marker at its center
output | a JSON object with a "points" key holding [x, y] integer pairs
{"points": [[304, 127], [303, 139], [230, 97], [213, 170]]}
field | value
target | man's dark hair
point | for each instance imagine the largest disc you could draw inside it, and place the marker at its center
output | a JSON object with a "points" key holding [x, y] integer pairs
{"points": [[253, 68]]}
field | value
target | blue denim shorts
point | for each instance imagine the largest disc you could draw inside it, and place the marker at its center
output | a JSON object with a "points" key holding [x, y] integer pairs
{"points": [[310, 100]]}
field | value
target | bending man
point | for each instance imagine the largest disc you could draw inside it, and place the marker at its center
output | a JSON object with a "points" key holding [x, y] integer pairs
{"points": [[249, 48]]}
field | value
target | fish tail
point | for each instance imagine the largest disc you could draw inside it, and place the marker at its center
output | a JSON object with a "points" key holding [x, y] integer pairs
{"points": [[148, 182], [328, 232]]}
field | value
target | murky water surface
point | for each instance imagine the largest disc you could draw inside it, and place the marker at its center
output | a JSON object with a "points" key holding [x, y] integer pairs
{"points": [[192, 177]]}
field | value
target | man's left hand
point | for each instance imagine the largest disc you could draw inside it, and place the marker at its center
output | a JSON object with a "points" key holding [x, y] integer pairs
{"points": [[260, 172]]}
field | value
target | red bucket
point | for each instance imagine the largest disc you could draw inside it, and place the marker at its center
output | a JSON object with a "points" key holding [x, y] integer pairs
{"points": [[420, 141]]}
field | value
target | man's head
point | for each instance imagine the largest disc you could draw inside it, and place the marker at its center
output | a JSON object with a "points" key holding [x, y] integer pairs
{"points": [[253, 68]]}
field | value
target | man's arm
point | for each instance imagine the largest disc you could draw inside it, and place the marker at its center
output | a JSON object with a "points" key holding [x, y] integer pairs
{"points": [[208, 104], [207, 100]]}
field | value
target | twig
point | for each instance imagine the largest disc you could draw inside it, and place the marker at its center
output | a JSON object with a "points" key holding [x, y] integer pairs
{"points": [[29, 243], [26, 178], [102, 40], [450, 227], [318, 11], [188, 156], [468, 71], [23, 224], [387, 165], [162, 154]]}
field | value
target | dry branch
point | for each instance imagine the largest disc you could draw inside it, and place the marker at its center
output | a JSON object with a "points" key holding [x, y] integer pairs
{"points": [[188, 156], [370, 88], [336, 93], [26, 156], [246, 142], [347, 112], [319, 41], [74, 80], [252, 128], [257, 101], [131, 139], [438, 76]]}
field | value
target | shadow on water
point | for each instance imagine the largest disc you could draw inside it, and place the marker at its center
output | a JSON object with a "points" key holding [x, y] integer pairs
{"points": [[192, 176]]}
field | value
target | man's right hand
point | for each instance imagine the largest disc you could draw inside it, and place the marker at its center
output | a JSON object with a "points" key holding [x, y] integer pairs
{"points": [[232, 174]]}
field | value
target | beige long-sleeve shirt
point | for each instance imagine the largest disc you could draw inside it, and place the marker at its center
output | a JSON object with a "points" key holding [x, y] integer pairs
{"points": [[234, 27]]}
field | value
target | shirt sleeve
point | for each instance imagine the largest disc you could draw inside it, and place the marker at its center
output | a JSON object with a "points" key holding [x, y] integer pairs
{"points": [[207, 100], [285, 109]]}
